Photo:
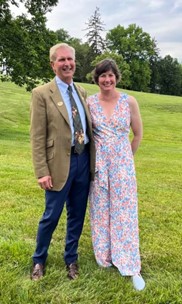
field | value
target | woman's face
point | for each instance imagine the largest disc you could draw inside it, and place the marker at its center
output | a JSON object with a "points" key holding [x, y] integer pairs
{"points": [[107, 81]]}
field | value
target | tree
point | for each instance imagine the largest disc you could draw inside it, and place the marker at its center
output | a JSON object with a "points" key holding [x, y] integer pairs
{"points": [[25, 43], [95, 28], [136, 47], [155, 75], [170, 76], [140, 75], [62, 35], [131, 42], [84, 57], [34, 7]]}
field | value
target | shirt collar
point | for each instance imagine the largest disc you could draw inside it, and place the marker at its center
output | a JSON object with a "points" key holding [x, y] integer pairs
{"points": [[62, 85]]}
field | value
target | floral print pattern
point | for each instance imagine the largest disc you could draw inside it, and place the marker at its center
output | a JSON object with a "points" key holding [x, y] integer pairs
{"points": [[113, 194]]}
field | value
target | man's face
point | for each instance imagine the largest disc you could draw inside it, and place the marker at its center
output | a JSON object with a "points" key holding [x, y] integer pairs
{"points": [[64, 65]]}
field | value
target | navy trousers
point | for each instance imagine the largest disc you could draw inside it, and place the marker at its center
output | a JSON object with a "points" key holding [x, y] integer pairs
{"points": [[75, 194]]}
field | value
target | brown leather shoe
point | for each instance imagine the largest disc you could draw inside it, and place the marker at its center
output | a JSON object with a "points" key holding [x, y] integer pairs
{"points": [[37, 272], [72, 271]]}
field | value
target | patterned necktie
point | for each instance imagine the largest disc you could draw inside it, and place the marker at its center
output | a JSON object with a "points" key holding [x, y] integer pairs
{"points": [[77, 124]]}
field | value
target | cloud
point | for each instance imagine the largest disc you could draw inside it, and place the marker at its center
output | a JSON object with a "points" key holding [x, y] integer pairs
{"points": [[160, 18], [172, 49]]}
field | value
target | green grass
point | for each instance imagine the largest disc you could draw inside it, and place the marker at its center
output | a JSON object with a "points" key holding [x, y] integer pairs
{"points": [[158, 164]]}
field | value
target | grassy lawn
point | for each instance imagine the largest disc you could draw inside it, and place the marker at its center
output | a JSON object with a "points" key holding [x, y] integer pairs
{"points": [[159, 175]]}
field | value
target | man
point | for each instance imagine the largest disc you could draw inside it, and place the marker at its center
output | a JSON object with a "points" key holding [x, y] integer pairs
{"points": [[63, 157]]}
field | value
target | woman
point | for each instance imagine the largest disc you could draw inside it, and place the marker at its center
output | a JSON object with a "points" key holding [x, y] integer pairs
{"points": [[113, 194]]}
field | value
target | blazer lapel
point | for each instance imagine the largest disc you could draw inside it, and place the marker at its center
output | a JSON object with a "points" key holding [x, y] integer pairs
{"points": [[58, 100]]}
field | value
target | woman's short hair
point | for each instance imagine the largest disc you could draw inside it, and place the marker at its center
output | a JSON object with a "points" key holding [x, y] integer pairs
{"points": [[104, 66], [54, 48]]}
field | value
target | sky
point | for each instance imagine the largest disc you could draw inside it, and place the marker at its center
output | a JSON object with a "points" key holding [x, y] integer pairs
{"points": [[161, 19]]}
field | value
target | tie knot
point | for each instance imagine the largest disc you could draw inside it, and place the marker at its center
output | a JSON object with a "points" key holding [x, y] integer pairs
{"points": [[70, 89]]}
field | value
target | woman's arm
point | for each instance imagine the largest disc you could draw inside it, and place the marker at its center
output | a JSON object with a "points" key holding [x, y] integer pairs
{"points": [[136, 124]]}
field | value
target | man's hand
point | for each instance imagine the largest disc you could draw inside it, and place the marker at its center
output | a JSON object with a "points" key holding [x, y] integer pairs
{"points": [[45, 182]]}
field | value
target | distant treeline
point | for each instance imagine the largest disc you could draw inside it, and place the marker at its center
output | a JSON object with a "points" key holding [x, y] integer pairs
{"points": [[25, 43]]}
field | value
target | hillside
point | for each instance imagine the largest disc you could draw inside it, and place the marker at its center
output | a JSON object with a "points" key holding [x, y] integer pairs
{"points": [[159, 175]]}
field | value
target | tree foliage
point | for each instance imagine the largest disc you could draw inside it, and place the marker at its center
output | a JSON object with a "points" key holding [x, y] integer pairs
{"points": [[170, 76], [94, 35], [131, 42], [136, 47], [155, 76], [84, 57], [34, 7], [62, 35], [25, 43]]}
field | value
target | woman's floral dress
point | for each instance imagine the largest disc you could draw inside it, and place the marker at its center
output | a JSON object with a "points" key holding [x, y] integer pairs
{"points": [[113, 194]]}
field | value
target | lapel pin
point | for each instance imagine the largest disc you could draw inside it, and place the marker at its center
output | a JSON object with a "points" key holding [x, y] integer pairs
{"points": [[60, 103]]}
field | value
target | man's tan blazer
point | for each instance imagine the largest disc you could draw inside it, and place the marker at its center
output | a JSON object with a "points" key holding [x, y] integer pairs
{"points": [[51, 134]]}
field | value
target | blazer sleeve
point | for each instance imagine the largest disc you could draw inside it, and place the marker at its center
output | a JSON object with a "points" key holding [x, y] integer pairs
{"points": [[38, 133]]}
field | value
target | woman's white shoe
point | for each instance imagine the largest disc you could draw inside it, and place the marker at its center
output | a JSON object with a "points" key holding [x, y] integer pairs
{"points": [[138, 282]]}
